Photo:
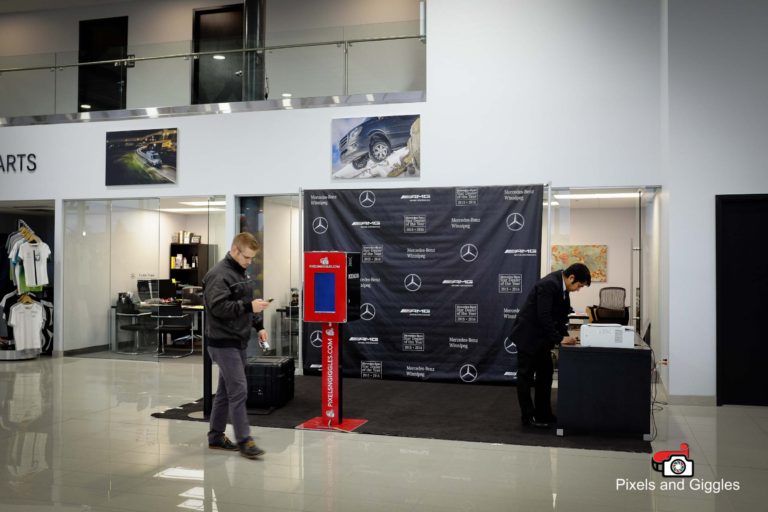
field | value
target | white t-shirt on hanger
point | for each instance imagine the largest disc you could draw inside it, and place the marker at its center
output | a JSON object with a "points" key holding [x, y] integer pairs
{"points": [[35, 256], [27, 322]]}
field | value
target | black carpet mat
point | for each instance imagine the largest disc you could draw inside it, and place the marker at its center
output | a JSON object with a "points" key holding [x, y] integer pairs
{"points": [[459, 412]]}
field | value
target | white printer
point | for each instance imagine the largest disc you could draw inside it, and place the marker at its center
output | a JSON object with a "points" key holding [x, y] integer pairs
{"points": [[607, 335]]}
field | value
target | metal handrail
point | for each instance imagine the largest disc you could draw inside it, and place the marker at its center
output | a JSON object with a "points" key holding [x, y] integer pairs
{"points": [[197, 55]]}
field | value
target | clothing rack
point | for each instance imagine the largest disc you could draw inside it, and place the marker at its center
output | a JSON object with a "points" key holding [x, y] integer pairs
{"points": [[25, 296]]}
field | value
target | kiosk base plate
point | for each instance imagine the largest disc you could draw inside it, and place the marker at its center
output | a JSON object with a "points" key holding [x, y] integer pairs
{"points": [[320, 423]]}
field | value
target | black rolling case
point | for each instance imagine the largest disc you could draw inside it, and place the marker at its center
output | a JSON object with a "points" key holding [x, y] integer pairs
{"points": [[270, 381]]}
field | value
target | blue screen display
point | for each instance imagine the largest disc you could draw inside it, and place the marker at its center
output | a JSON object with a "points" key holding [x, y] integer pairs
{"points": [[325, 292]]}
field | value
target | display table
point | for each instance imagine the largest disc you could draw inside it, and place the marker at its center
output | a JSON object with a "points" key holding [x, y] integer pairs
{"points": [[605, 390]]}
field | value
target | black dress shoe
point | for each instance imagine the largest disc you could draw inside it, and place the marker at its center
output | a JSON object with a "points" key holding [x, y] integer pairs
{"points": [[533, 422], [550, 418]]}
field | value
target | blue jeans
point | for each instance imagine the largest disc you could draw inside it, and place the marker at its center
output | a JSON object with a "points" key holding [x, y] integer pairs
{"points": [[231, 393]]}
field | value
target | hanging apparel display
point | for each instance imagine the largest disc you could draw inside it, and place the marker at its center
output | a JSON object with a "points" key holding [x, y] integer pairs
{"points": [[27, 321]]}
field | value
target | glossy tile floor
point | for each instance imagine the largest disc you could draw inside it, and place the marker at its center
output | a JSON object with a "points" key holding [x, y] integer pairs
{"points": [[76, 435]]}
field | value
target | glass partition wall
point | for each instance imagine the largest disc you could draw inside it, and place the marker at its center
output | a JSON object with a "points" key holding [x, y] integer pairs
{"points": [[125, 262], [274, 220], [614, 231]]}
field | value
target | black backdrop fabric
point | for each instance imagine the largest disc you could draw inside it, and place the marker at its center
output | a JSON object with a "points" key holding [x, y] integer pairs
{"points": [[444, 272]]}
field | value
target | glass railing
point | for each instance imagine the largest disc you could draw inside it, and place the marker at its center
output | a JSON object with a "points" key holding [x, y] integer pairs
{"points": [[339, 61]]}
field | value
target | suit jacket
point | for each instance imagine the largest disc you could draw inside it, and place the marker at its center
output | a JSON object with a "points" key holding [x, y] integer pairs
{"points": [[543, 319]]}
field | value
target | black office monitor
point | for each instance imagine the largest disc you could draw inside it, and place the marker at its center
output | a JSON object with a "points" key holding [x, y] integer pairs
{"points": [[166, 289], [146, 287], [155, 289]]}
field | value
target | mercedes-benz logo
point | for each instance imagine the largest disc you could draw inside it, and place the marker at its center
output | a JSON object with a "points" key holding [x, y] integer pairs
{"points": [[468, 373], [468, 252], [316, 339], [510, 346], [515, 221], [320, 225], [367, 311], [412, 282], [367, 198]]}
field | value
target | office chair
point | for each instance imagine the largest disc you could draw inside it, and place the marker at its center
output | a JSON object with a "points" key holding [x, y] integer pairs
{"points": [[611, 309], [140, 323], [171, 320]]}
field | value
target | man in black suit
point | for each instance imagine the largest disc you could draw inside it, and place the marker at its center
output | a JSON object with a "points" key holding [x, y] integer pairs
{"points": [[541, 324]]}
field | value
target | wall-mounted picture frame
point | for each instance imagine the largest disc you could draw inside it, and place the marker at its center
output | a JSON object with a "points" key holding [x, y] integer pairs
{"points": [[593, 256], [141, 157], [376, 147]]}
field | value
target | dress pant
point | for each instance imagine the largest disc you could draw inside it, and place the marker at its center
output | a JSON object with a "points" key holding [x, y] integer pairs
{"points": [[535, 371], [231, 393]]}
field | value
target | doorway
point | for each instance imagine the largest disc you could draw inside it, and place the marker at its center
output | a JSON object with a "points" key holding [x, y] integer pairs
{"points": [[27, 234], [274, 220], [741, 299], [102, 86], [218, 77]]}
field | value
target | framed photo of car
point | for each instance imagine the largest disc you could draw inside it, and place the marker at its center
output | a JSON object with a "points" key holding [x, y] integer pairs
{"points": [[141, 157], [376, 147]]}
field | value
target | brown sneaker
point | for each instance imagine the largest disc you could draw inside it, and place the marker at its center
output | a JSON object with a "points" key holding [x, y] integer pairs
{"points": [[222, 443], [249, 450]]}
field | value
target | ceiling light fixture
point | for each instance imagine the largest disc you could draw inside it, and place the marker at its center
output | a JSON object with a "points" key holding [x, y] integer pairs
{"points": [[599, 195], [191, 210], [203, 203], [219, 57]]}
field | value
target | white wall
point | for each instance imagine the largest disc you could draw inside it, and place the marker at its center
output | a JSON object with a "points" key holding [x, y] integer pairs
{"points": [[524, 91], [718, 133], [153, 22], [135, 251]]}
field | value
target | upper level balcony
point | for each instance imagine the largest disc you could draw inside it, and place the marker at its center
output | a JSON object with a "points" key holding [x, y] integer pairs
{"points": [[363, 64]]}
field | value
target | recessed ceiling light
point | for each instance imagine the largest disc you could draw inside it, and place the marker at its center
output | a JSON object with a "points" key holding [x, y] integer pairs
{"points": [[219, 57], [287, 95], [85, 106]]}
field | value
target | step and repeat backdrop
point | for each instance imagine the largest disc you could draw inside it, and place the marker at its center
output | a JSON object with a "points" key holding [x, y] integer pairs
{"points": [[444, 272]]}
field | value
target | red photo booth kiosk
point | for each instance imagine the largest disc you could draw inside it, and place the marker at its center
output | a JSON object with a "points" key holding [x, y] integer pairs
{"points": [[331, 298]]}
